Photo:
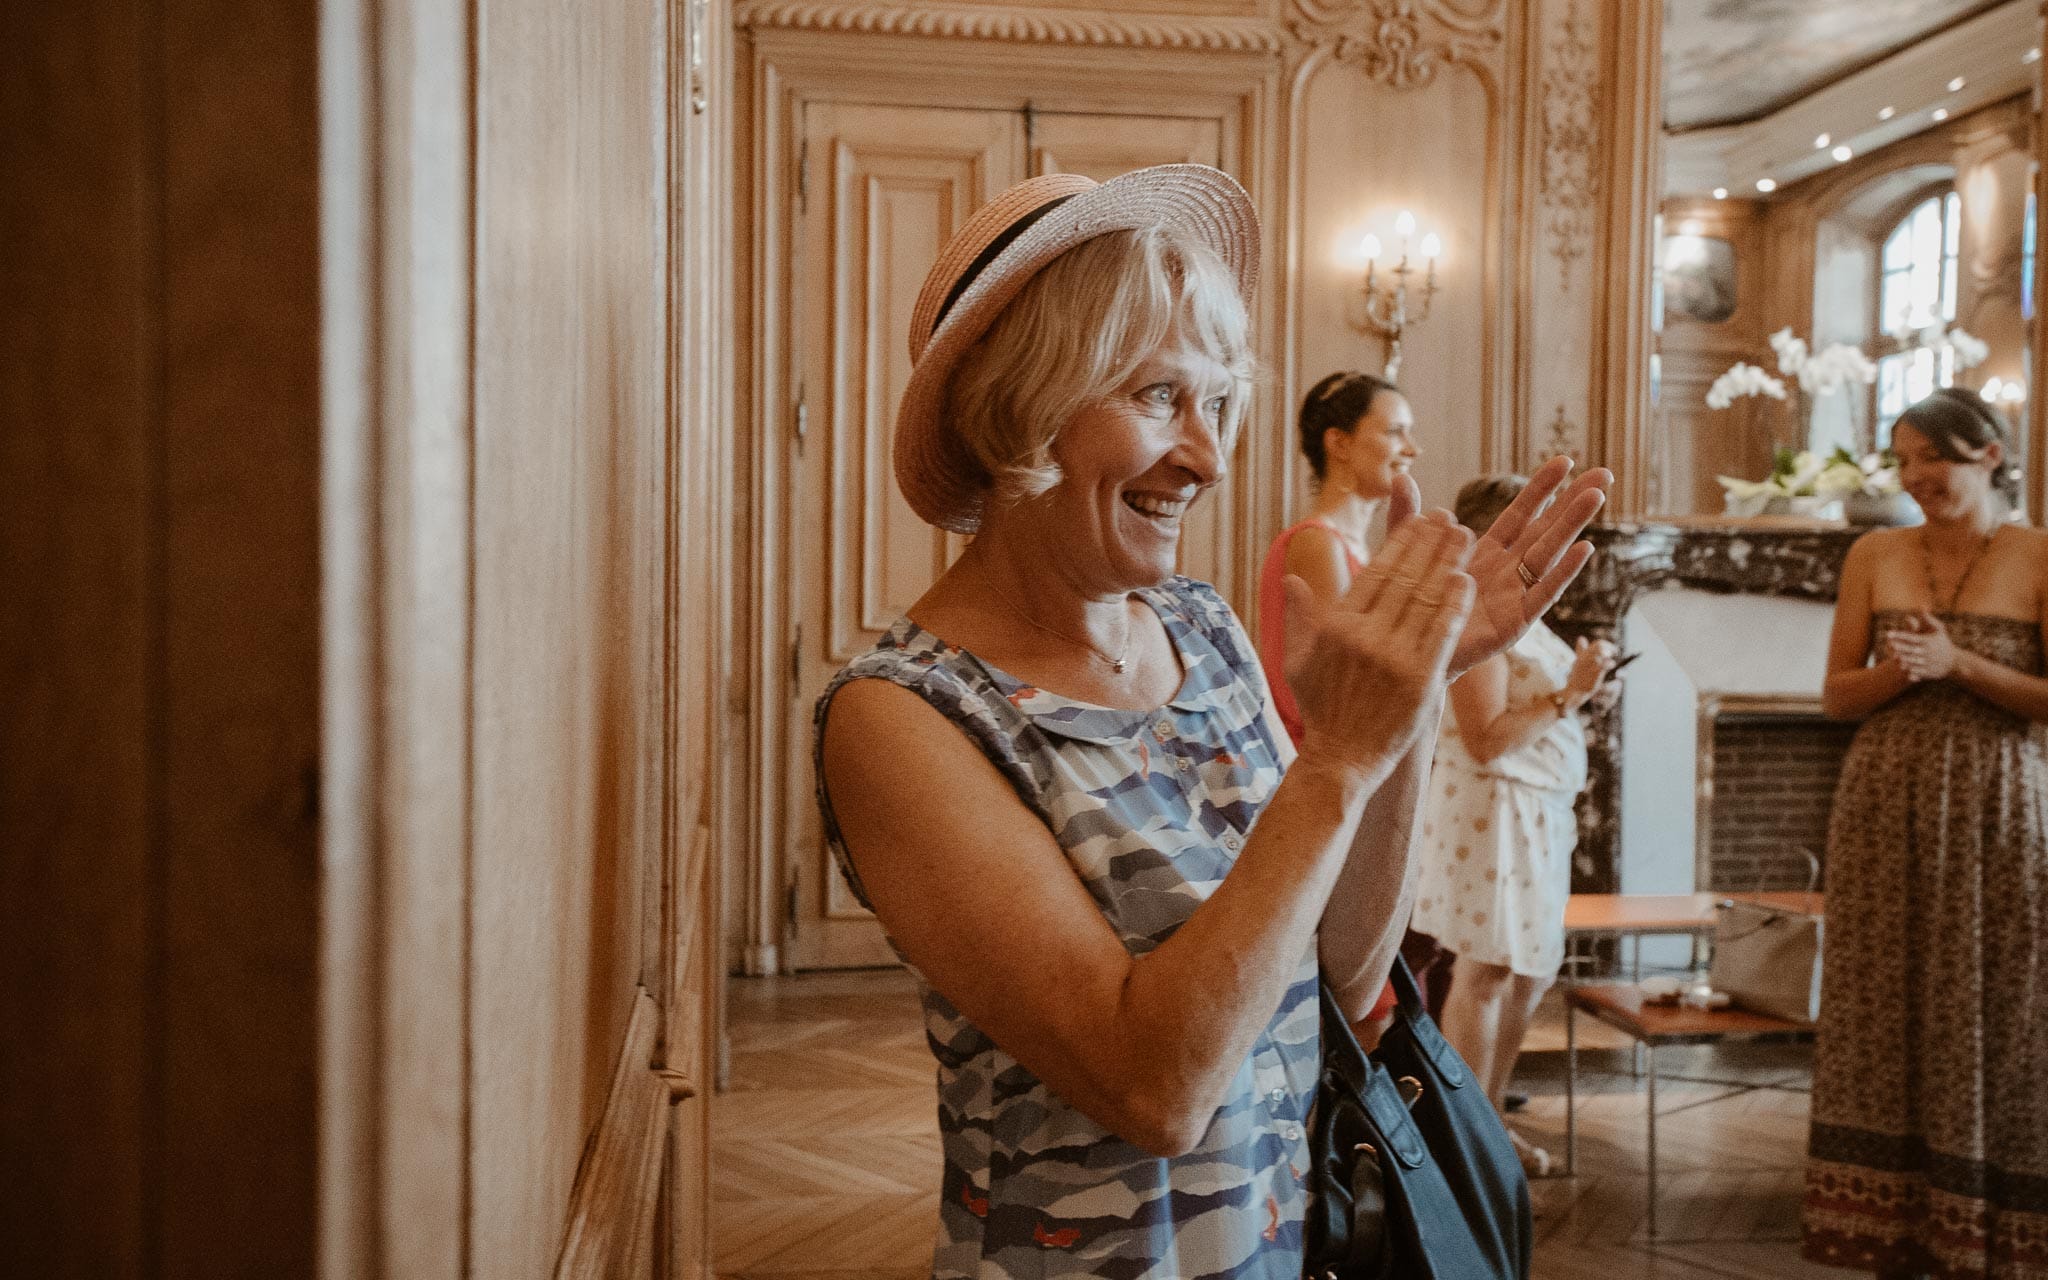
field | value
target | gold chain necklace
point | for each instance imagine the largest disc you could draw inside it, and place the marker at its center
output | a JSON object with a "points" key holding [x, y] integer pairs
{"points": [[1116, 663], [1927, 563]]}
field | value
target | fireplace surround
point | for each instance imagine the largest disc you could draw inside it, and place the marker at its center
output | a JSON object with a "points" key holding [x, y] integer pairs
{"points": [[1734, 616]]}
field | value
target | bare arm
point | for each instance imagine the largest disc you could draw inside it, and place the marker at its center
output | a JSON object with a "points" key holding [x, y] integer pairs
{"points": [[1488, 726], [980, 898], [1852, 689], [2008, 687], [1374, 896]]}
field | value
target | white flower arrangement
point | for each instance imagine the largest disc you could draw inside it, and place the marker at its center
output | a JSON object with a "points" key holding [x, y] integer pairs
{"points": [[1803, 473], [1806, 474]]}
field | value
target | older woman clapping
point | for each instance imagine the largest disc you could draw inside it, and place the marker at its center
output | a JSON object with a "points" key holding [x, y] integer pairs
{"points": [[1059, 782]]}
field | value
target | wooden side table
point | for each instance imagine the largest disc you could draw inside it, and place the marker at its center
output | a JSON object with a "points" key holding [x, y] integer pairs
{"points": [[1620, 1005]]}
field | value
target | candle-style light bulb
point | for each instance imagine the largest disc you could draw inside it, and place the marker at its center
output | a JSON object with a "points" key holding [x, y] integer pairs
{"points": [[1432, 247], [1404, 225], [1370, 247]]}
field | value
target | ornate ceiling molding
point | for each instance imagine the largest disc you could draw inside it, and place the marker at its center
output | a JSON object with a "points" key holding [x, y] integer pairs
{"points": [[1570, 184], [1401, 43], [1026, 26]]}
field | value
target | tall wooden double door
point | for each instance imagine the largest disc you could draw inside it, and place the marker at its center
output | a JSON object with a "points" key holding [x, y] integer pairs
{"points": [[880, 190]]}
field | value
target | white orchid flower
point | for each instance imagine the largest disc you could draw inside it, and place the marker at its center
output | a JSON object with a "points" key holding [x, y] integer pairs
{"points": [[1791, 351], [1741, 380]]}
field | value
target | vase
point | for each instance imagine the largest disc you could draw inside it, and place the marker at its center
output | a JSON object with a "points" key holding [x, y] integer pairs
{"points": [[1881, 509], [1809, 507]]}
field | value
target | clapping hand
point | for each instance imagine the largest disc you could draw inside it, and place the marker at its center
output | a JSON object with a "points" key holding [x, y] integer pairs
{"points": [[1365, 669], [1925, 652], [1526, 559]]}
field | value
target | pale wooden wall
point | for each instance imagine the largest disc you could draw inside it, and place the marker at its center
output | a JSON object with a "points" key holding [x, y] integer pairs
{"points": [[364, 386]]}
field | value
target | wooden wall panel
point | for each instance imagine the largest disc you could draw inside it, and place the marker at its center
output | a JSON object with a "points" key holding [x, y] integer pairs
{"points": [[241, 634], [569, 451], [1435, 152], [79, 455], [160, 552]]}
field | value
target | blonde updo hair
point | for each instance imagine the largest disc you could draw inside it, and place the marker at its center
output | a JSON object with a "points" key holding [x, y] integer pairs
{"points": [[1076, 331]]}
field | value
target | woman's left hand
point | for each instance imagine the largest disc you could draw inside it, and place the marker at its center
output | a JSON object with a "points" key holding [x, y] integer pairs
{"points": [[1926, 652], [1526, 536]]}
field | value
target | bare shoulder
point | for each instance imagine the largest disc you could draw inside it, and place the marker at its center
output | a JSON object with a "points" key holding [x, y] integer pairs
{"points": [[1312, 546], [1879, 543], [876, 716]]}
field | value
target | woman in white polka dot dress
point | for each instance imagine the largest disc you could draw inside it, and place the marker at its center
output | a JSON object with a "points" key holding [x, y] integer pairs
{"points": [[1499, 830]]}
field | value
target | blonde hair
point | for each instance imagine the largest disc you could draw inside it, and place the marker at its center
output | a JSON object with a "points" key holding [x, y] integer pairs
{"points": [[1076, 331]]}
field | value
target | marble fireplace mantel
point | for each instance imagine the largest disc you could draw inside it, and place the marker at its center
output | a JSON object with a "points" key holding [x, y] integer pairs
{"points": [[1764, 556]]}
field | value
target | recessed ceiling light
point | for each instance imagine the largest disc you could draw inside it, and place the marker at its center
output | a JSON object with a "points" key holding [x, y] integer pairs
{"points": [[1766, 185], [1720, 193], [1956, 85], [1841, 153], [1820, 142], [1885, 113], [1940, 114]]}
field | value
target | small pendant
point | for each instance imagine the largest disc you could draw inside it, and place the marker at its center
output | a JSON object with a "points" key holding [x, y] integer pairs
{"points": [[1119, 665]]}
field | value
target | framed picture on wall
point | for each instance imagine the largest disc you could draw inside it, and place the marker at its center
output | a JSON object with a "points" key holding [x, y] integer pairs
{"points": [[1698, 278]]}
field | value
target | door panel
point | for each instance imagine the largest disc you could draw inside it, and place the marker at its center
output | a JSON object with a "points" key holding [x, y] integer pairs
{"points": [[886, 188]]}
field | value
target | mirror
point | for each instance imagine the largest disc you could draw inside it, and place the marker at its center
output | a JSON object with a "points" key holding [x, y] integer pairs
{"points": [[1838, 237]]}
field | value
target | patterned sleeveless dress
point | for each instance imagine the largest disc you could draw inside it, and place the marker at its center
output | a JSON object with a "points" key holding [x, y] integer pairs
{"points": [[1152, 808], [1929, 1146]]}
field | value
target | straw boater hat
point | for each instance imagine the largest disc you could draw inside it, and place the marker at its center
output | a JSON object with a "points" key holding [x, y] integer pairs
{"points": [[990, 259]]}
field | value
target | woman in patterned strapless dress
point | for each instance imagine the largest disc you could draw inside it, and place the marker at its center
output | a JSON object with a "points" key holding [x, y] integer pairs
{"points": [[1929, 1146]]}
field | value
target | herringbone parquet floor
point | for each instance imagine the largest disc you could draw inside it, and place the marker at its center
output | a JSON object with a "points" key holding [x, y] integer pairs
{"points": [[825, 1154]]}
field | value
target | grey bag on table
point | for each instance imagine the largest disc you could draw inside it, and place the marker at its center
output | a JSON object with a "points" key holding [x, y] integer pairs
{"points": [[1767, 959]]}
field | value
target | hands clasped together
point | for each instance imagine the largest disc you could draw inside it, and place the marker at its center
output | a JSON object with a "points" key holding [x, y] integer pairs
{"points": [[1369, 670], [1924, 651]]}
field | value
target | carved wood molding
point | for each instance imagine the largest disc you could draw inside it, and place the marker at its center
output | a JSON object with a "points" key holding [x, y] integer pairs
{"points": [[1569, 185], [1026, 26], [612, 1207], [1401, 43]]}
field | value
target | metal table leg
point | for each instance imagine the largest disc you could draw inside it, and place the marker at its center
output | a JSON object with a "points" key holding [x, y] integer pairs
{"points": [[1635, 975], [1571, 1085], [1651, 1055]]}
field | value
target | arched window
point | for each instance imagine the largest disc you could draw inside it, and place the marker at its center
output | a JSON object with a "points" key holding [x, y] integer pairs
{"points": [[1917, 288]]}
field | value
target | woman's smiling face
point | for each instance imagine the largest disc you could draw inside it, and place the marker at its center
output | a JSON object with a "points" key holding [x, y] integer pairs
{"points": [[1131, 462], [1379, 449], [1944, 488]]}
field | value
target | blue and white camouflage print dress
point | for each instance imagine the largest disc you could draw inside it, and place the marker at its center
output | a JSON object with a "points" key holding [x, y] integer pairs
{"points": [[1151, 808]]}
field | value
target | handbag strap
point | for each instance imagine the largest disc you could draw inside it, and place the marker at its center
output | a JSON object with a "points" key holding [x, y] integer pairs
{"points": [[1341, 1050], [1406, 993]]}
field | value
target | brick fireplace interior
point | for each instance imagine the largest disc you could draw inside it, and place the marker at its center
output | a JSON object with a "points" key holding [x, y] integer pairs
{"points": [[1729, 767]]}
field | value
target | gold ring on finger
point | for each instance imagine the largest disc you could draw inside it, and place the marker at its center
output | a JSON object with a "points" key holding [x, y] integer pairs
{"points": [[1523, 572]]}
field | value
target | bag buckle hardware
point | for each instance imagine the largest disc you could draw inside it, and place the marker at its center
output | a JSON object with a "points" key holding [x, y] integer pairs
{"points": [[1368, 1149], [1411, 1089]]}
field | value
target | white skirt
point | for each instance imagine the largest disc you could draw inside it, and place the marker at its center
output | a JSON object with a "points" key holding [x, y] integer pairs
{"points": [[1496, 870]]}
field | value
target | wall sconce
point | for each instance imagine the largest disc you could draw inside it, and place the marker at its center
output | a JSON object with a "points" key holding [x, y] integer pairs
{"points": [[1386, 301]]}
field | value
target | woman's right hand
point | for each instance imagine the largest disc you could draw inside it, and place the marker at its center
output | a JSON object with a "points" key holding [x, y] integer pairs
{"points": [[1366, 669]]}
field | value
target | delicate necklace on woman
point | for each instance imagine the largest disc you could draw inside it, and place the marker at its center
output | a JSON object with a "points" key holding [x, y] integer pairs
{"points": [[1927, 563], [1116, 663]]}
